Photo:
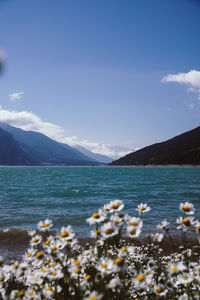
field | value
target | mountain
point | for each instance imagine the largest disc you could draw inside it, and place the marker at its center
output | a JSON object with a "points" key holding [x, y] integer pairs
{"points": [[11, 153], [96, 156], [182, 149], [44, 150]]}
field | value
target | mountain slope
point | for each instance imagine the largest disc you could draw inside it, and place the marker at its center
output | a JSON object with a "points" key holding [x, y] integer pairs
{"points": [[182, 149], [45, 150], [96, 156], [11, 153]]}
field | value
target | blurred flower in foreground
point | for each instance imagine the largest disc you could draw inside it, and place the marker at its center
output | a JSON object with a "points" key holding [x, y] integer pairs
{"points": [[2, 60]]}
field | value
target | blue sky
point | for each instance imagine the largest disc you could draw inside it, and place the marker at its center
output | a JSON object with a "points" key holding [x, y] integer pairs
{"points": [[91, 72]]}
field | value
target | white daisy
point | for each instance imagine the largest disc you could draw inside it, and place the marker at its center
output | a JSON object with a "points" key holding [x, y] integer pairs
{"points": [[116, 205], [185, 223], [45, 225], [93, 296], [36, 240], [108, 230], [67, 233], [163, 225], [114, 283], [135, 222], [142, 208], [157, 237], [116, 219], [197, 226], [97, 217], [105, 265], [187, 208], [133, 232]]}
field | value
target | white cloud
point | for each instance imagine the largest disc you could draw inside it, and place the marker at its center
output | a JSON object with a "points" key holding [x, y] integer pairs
{"points": [[16, 96], [114, 151], [191, 78], [29, 121]]}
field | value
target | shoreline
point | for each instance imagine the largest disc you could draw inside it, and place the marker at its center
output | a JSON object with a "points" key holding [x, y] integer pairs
{"points": [[13, 249], [104, 165], [157, 166]]}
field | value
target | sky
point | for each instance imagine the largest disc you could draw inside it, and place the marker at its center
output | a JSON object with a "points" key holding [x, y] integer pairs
{"points": [[111, 75]]}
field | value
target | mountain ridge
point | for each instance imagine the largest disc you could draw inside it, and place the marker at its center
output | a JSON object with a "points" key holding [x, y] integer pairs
{"points": [[42, 150], [11, 153], [97, 156], [179, 150]]}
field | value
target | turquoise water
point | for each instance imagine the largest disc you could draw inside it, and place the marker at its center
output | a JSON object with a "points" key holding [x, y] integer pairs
{"points": [[68, 195]]}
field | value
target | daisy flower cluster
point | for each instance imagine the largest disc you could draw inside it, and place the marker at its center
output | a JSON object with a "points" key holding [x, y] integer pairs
{"points": [[55, 266]]}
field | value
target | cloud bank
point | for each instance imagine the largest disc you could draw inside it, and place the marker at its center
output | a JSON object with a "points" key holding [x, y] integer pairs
{"points": [[29, 121], [16, 96], [191, 79]]}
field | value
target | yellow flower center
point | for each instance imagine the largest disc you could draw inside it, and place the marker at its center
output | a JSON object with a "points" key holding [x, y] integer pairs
{"points": [[43, 271], [45, 225], [88, 277], [54, 273], [29, 254], [186, 208], [133, 224], [77, 270], [49, 288], [54, 247], [107, 209], [98, 231], [185, 277], [198, 227], [104, 266], [1, 278], [47, 242], [140, 278], [133, 232], [64, 234], [142, 208], [77, 262], [109, 231], [123, 249], [118, 260], [186, 221], [93, 297], [35, 240], [39, 255], [174, 269], [47, 262], [53, 265], [117, 222], [96, 215], [15, 265], [31, 293], [115, 206], [20, 294], [158, 290]]}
